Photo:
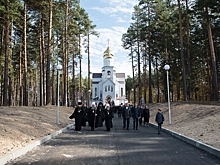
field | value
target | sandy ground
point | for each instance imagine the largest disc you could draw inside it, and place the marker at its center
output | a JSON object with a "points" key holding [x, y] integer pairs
{"points": [[20, 126]]}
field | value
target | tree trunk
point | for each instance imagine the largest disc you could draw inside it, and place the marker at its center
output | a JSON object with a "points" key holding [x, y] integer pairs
{"points": [[25, 88], [157, 82], [20, 76], [188, 52], [182, 55], [139, 73], [73, 82], [134, 87], [10, 74], [49, 53], [145, 73], [5, 93], [65, 68], [214, 74], [80, 70], [88, 69], [149, 48], [42, 96]]}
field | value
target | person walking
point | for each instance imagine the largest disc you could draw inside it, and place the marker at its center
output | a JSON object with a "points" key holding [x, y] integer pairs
{"points": [[136, 114], [126, 114], [141, 116], [159, 119], [85, 115], [78, 115], [108, 117], [100, 115], [146, 115], [92, 116], [120, 107]]}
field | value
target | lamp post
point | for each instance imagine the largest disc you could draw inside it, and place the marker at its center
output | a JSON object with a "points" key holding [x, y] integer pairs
{"points": [[167, 67], [59, 68], [133, 95]]}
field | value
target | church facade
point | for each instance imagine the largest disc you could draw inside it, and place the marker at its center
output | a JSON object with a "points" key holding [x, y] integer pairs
{"points": [[108, 86]]}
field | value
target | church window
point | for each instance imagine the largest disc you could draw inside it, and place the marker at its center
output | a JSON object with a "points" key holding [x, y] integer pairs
{"points": [[108, 73], [108, 87], [105, 88], [121, 92], [111, 88], [95, 91]]}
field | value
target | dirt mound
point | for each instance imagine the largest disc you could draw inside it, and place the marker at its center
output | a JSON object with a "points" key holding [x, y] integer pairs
{"points": [[198, 121]]}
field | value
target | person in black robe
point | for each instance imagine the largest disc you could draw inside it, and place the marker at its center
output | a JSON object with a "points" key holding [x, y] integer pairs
{"points": [[108, 117], [78, 115], [92, 116], [146, 114], [85, 115], [100, 115]]}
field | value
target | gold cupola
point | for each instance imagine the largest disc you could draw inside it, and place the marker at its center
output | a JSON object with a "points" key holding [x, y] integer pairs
{"points": [[108, 53]]}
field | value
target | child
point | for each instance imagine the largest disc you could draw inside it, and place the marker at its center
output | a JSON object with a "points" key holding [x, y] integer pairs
{"points": [[159, 119]]}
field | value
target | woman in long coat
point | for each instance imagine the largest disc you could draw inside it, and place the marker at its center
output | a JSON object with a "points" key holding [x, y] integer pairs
{"points": [[108, 117], [146, 114]]}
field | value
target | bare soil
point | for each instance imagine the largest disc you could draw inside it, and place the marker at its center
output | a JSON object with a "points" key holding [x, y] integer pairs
{"points": [[20, 126]]}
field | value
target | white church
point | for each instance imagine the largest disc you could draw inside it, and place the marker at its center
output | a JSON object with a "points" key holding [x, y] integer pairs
{"points": [[108, 86]]}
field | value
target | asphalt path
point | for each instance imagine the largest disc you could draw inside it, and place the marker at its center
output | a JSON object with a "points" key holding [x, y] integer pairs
{"points": [[117, 147]]}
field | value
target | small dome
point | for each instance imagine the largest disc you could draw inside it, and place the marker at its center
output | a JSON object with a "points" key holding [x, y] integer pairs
{"points": [[108, 53]]}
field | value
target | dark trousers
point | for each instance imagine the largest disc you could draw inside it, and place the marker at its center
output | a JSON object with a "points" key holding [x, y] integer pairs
{"points": [[126, 122], [159, 127], [135, 123]]}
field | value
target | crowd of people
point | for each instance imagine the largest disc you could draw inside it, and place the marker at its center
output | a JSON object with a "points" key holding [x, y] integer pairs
{"points": [[96, 115]]}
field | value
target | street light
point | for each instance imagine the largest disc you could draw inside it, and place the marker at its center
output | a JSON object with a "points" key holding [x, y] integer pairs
{"points": [[59, 68], [167, 67], [133, 95]]}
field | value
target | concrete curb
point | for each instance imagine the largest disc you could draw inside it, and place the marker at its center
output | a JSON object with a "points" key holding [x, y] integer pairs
{"points": [[198, 144], [21, 151]]}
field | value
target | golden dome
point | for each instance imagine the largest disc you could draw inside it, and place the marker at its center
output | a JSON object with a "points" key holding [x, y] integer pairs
{"points": [[108, 53]]}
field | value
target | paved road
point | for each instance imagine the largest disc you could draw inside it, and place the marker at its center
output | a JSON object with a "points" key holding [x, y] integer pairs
{"points": [[118, 147]]}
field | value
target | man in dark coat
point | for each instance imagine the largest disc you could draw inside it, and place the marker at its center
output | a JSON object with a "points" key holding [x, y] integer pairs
{"points": [[100, 115], [136, 114], [126, 114], [108, 117], [159, 119], [120, 110], [92, 116], [78, 115]]}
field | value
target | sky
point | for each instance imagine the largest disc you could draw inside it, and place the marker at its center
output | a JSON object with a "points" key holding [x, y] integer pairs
{"points": [[112, 18]]}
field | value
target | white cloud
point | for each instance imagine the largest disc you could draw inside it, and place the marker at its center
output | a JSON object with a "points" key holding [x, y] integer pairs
{"points": [[115, 6], [109, 10], [121, 20]]}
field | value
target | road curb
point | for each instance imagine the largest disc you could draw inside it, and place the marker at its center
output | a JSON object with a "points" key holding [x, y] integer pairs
{"points": [[198, 144], [21, 151]]}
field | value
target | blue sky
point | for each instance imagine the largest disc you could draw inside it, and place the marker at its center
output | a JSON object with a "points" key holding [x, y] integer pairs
{"points": [[112, 18]]}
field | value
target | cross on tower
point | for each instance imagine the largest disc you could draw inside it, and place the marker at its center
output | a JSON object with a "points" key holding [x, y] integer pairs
{"points": [[108, 41]]}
